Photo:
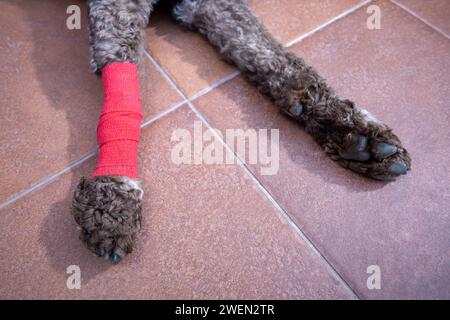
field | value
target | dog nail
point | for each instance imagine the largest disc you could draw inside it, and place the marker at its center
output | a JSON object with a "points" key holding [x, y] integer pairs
{"points": [[296, 110], [116, 258], [385, 150], [360, 142], [398, 168]]}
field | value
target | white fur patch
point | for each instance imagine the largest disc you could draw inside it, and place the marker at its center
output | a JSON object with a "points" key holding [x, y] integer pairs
{"points": [[185, 11], [134, 185], [368, 116]]}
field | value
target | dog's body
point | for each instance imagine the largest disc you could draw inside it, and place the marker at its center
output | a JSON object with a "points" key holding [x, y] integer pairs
{"points": [[351, 135]]}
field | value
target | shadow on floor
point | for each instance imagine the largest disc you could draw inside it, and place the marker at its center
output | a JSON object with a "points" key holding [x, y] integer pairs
{"points": [[60, 60]]}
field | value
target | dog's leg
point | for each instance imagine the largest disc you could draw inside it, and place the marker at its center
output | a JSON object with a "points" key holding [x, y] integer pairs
{"points": [[351, 135], [116, 30], [107, 205]]}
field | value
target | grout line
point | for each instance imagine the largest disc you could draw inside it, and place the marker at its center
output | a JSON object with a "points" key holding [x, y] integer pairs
{"points": [[174, 107], [326, 24], [234, 74], [162, 113], [336, 275], [411, 12], [165, 75], [208, 89], [49, 179], [264, 191], [202, 92], [80, 161]]}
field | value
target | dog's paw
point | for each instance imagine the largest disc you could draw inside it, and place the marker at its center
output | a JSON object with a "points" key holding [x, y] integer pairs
{"points": [[378, 157], [369, 147], [355, 138], [108, 210]]}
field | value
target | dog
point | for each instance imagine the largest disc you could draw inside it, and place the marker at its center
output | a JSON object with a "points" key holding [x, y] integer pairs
{"points": [[108, 208]]}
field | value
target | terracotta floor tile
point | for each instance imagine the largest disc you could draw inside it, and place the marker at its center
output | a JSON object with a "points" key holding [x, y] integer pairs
{"points": [[189, 59], [436, 12], [287, 19], [195, 64], [399, 74], [50, 101], [208, 233]]}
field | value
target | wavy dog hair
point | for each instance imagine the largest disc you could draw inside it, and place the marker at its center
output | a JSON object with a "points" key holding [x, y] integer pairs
{"points": [[108, 209]]}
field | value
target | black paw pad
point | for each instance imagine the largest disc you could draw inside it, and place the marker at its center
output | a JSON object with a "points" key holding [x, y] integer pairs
{"points": [[356, 148]]}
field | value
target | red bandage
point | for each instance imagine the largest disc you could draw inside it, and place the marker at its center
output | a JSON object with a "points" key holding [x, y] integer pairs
{"points": [[120, 121]]}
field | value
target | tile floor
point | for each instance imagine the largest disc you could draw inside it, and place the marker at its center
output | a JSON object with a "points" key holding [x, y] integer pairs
{"points": [[227, 231]]}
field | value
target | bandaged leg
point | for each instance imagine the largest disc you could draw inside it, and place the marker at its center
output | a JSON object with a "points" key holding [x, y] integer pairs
{"points": [[120, 121], [107, 205]]}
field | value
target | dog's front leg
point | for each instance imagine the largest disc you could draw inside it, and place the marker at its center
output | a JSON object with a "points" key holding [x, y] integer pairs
{"points": [[107, 205], [351, 135]]}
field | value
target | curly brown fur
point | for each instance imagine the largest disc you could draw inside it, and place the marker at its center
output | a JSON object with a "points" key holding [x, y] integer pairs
{"points": [[108, 210], [349, 134], [116, 30]]}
